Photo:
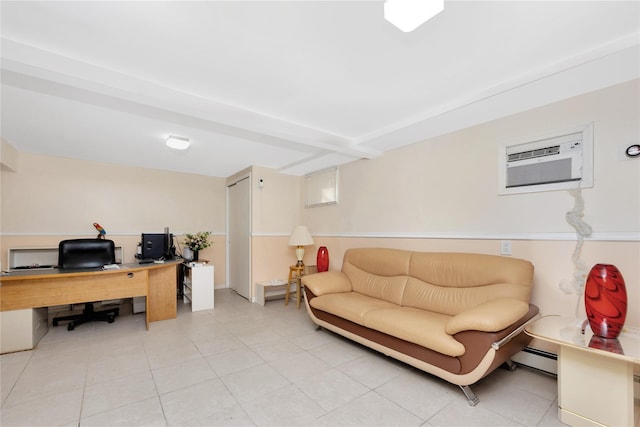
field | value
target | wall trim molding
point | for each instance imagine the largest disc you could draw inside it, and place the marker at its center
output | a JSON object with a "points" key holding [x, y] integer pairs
{"points": [[596, 237], [629, 236], [76, 234]]}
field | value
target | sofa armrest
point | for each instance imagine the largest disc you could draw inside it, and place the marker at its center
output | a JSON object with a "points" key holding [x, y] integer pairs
{"points": [[328, 282], [492, 316]]}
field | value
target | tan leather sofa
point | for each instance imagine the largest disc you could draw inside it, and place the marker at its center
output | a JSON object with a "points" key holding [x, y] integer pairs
{"points": [[454, 315]]}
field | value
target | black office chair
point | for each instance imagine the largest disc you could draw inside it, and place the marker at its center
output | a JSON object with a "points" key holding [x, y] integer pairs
{"points": [[80, 254]]}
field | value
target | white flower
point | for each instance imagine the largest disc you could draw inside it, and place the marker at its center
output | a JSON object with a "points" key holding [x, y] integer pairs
{"points": [[197, 241]]}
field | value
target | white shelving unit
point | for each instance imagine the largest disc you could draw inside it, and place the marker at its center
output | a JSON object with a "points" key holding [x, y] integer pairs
{"points": [[198, 286], [34, 257]]}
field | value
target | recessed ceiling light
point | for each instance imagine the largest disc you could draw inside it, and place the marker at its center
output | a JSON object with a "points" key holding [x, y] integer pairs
{"points": [[178, 143], [408, 15]]}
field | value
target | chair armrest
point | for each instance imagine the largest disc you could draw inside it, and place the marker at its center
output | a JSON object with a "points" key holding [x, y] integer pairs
{"points": [[492, 316], [328, 282]]}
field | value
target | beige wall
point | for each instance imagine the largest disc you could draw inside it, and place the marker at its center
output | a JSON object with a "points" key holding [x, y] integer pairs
{"points": [[8, 156], [449, 184], [447, 187], [276, 207], [50, 198]]}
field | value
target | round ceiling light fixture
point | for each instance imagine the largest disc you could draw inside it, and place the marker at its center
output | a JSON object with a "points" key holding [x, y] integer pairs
{"points": [[178, 142]]}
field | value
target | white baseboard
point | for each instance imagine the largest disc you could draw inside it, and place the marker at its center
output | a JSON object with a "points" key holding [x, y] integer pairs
{"points": [[538, 359]]}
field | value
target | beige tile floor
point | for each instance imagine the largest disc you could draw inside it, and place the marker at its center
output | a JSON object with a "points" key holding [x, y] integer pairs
{"points": [[243, 364]]}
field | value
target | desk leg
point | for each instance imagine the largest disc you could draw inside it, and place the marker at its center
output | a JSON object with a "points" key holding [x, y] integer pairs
{"points": [[298, 291], [594, 390], [161, 300], [146, 302]]}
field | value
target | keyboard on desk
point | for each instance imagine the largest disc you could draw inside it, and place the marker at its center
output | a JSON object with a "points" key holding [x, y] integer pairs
{"points": [[32, 266]]}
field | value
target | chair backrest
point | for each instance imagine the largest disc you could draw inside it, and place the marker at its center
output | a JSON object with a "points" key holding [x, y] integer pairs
{"points": [[86, 253]]}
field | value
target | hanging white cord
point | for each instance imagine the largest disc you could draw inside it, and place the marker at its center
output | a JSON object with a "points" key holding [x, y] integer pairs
{"points": [[574, 218]]}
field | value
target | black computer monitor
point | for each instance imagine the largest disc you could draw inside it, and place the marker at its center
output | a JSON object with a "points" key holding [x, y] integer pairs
{"points": [[154, 245]]}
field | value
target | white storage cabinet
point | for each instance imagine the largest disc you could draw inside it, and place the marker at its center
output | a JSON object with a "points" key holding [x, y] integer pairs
{"points": [[198, 286]]}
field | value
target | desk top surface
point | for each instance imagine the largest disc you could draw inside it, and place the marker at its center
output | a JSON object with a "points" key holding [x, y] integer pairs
{"points": [[43, 273], [567, 331]]}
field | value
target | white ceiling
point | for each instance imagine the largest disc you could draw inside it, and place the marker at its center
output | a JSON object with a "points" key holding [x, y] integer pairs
{"points": [[296, 86]]}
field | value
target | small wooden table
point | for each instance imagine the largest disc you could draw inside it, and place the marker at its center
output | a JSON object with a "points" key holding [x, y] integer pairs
{"points": [[595, 376], [295, 272]]}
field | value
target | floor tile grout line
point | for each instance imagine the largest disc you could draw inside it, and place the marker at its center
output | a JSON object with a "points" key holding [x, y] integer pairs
{"points": [[18, 377], [191, 328]]}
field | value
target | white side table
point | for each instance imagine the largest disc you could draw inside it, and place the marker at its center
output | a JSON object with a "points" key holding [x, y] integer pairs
{"points": [[595, 376], [198, 287], [270, 289]]}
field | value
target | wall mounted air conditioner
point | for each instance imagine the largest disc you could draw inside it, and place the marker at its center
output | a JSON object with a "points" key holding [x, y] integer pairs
{"points": [[559, 162]]}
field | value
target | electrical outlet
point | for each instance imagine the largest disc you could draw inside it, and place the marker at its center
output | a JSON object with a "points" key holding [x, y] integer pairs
{"points": [[505, 247]]}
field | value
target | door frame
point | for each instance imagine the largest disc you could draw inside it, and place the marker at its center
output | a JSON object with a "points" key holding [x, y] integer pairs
{"points": [[231, 183]]}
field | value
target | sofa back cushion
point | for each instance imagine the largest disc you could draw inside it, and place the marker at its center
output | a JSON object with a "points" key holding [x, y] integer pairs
{"points": [[378, 272], [387, 288], [447, 283], [379, 261]]}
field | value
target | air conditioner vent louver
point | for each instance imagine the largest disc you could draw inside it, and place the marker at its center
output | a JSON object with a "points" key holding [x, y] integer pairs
{"points": [[531, 154], [557, 162]]}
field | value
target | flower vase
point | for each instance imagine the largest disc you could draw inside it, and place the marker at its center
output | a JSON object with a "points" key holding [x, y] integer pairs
{"points": [[322, 259], [605, 300], [196, 255]]}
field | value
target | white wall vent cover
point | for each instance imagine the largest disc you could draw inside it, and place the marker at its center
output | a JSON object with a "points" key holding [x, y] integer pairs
{"points": [[559, 162]]}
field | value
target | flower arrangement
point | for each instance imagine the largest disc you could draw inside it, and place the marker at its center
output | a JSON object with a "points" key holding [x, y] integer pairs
{"points": [[197, 241]]}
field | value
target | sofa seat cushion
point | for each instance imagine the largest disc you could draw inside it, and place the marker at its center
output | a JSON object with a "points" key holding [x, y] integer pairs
{"points": [[417, 326], [349, 305]]}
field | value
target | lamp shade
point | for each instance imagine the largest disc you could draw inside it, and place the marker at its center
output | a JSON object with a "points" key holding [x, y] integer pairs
{"points": [[300, 236]]}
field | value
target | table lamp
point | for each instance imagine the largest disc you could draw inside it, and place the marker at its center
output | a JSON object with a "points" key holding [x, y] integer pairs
{"points": [[300, 238]]}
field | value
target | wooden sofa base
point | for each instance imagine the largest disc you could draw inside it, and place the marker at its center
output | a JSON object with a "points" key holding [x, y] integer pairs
{"points": [[462, 371]]}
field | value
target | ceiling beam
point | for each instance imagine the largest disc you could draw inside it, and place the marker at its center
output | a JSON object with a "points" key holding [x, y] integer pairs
{"points": [[35, 69]]}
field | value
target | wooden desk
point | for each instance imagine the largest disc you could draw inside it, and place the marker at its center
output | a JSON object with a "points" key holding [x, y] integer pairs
{"points": [[43, 288]]}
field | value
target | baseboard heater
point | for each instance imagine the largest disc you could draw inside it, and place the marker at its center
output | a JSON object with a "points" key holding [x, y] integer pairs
{"points": [[538, 359]]}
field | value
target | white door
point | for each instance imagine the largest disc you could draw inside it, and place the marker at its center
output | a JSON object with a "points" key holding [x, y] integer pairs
{"points": [[239, 235]]}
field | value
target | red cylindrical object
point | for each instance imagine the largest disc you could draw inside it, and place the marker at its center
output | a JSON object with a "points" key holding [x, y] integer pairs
{"points": [[605, 300], [322, 260]]}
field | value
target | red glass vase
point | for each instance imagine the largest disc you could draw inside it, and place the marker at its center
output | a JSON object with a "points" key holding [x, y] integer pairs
{"points": [[606, 344], [322, 259], [605, 300]]}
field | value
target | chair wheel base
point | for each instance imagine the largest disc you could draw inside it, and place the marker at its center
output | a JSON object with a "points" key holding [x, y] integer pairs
{"points": [[88, 315]]}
